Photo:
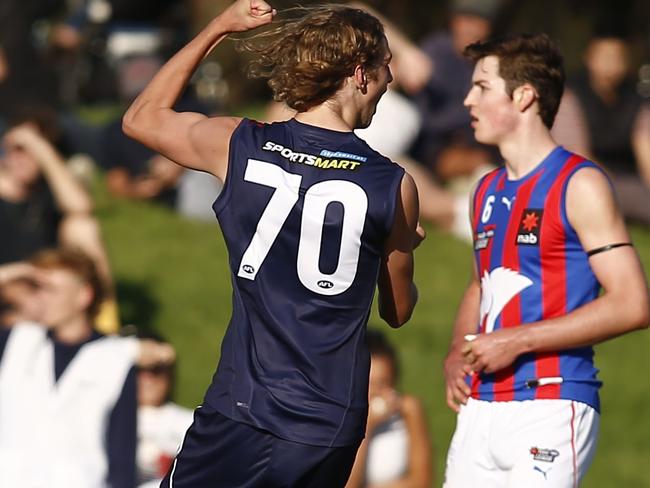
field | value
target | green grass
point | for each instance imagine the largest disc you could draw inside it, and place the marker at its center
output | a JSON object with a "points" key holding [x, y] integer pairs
{"points": [[173, 278]]}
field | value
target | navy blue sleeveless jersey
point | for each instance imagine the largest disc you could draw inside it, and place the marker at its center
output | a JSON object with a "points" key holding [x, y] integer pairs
{"points": [[305, 213]]}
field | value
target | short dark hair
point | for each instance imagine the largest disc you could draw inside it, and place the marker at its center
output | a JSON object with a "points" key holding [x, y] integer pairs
{"points": [[43, 118], [379, 346], [527, 58], [168, 370]]}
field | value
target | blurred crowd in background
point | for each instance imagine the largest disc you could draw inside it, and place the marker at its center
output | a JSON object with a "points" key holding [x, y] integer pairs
{"points": [[67, 70]]}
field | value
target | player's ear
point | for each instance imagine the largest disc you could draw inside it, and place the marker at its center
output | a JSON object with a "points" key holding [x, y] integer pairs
{"points": [[361, 78], [524, 97]]}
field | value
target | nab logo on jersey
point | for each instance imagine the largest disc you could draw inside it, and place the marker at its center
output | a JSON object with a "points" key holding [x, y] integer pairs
{"points": [[531, 222]]}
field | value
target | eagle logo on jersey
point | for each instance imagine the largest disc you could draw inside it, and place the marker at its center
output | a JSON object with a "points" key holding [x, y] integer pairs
{"points": [[497, 289]]}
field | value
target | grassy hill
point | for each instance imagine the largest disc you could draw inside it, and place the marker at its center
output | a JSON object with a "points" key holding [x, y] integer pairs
{"points": [[173, 277]]}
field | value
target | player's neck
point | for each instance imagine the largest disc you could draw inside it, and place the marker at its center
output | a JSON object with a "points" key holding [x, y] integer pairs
{"points": [[328, 115], [525, 149]]}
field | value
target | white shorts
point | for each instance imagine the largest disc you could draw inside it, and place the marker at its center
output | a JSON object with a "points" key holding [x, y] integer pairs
{"points": [[522, 444]]}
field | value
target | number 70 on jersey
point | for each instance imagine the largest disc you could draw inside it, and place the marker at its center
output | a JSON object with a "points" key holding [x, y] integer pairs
{"points": [[316, 200]]}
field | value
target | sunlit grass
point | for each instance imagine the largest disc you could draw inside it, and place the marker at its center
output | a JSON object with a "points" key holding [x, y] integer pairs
{"points": [[173, 277]]}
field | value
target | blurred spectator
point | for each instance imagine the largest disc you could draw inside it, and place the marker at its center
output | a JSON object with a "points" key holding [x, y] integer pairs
{"points": [[36, 191], [161, 423], [604, 118], [436, 102], [114, 47], [41, 203], [446, 143], [135, 172], [18, 298], [26, 75], [411, 69], [67, 393], [196, 192], [78, 428], [396, 450]]}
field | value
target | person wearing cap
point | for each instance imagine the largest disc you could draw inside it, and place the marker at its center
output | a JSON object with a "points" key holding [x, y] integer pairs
{"points": [[446, 144]]}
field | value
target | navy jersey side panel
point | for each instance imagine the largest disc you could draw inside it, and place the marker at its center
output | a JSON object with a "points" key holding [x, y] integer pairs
{"points": [[305, 214]]}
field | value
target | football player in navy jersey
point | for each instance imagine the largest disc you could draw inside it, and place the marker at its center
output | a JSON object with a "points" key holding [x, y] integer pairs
{"points": [[547, 237], [313, 220]]}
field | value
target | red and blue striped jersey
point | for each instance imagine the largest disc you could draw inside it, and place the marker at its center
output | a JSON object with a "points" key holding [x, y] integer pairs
{"points": [[532, 267]]}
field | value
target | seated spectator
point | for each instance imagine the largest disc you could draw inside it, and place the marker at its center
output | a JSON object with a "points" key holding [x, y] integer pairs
{"points": [[135, 172], [396, 450], [446, 143], [120, 43], [603, 118], [67, 393], [161, 422], [26, 74], [196, 192], [42, 205]]}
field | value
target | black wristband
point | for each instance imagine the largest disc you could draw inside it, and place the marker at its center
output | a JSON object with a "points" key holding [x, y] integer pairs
{"points": [[608, 247]]}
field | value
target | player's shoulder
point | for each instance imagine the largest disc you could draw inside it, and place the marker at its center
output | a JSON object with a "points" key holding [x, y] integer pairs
{"points": [[248, 125], [585, 175], [251, 134], [589, 194], [589, 187]]}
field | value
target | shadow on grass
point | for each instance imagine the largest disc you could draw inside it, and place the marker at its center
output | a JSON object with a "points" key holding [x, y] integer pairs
{"points": [[137, 306]]}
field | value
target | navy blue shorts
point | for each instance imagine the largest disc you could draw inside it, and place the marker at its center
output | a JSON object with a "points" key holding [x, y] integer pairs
{"points": [[218, 452]]}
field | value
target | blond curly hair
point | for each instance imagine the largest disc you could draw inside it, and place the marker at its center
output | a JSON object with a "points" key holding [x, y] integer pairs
{"points": [[306, 60]]}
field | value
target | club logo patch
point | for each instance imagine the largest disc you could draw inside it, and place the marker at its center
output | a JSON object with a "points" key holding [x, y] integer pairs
{"points": [[529, 227], [546, 455], [482, 239]]}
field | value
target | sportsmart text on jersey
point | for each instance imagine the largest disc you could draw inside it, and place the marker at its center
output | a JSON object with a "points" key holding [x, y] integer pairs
{"points": [[310, 159]]}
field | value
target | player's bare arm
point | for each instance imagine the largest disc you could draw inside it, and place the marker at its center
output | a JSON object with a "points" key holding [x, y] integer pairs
{"points": [[623, 307], [641, 143], [397, 292], [191, 139], [467, 318], [455, 366]]}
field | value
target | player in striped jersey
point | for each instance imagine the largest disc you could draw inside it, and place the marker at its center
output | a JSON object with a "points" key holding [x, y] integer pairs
{"points": [[547, 237]]}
